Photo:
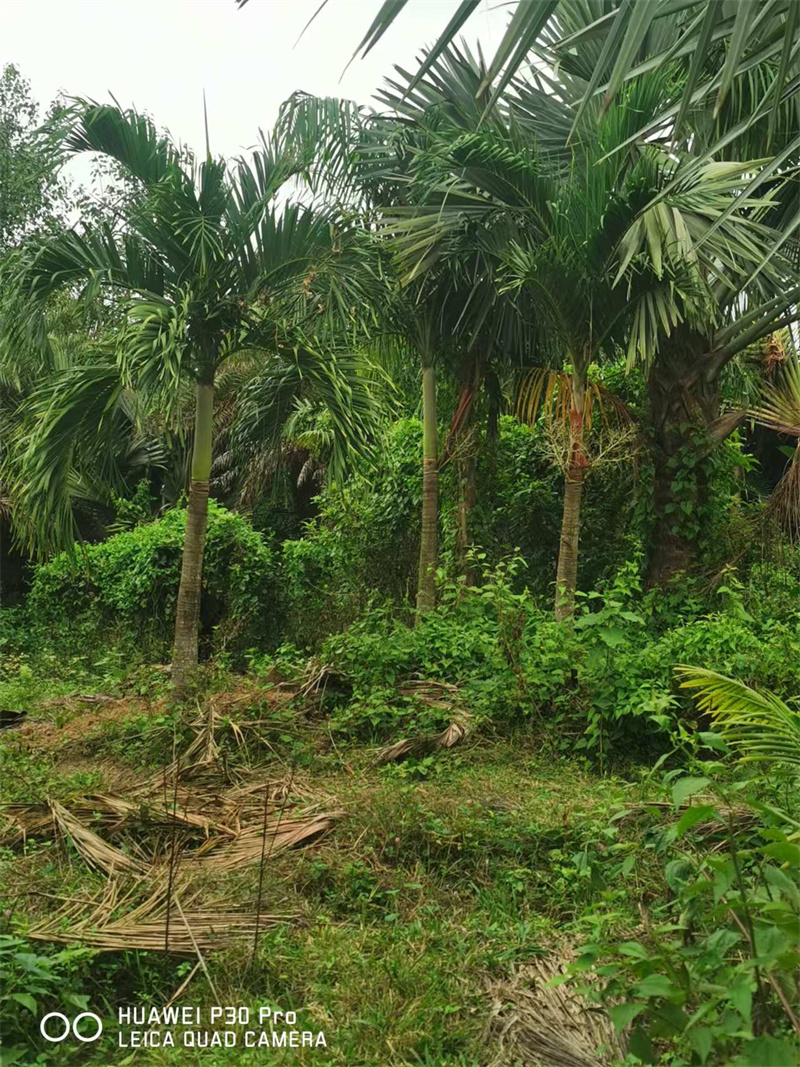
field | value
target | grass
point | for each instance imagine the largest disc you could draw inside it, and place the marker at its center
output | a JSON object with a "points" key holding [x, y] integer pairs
{"points": [[446, 873]]}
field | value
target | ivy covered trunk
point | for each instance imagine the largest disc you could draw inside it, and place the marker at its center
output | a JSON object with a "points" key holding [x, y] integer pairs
{"points": [[426, 582], [567, 571], [684, 410], [187, 620]]}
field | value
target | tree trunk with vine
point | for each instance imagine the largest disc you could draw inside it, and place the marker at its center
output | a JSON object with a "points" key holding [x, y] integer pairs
{"points": [[684, 427]]}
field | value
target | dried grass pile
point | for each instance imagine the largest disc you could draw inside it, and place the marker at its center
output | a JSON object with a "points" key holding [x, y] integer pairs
{"points": [[173, 831], [536, 1024]]}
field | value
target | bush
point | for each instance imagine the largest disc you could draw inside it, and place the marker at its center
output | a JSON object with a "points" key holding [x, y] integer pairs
{"points": [[606, 686], [362, 547], [125, 589], [508, 658], [626, 669]]}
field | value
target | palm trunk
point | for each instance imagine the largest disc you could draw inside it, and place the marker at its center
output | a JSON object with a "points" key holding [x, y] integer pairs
{"points": [[466, 502], [426, 582], [187, 620], [683, 411], [567, 571]]}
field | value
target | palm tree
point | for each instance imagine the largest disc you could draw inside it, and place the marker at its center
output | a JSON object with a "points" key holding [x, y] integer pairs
{"points": [[454, 308], [576, 228], [205, 266], [751, 286]]}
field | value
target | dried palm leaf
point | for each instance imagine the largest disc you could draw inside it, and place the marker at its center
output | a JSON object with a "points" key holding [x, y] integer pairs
{"points": [[221, 854], [425, 743], [784, 504], [543, 1025], [145, 926], [97, 852], [549, 393]]}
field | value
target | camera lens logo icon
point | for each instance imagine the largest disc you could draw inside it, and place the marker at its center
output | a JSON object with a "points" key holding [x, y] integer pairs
{"points": [[50, 1032]]}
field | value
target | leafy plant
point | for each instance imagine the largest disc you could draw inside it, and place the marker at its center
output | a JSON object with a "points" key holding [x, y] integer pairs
{"points": [[30, 985]]}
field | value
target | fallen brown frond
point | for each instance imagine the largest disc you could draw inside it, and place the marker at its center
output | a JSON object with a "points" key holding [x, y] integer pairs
{"points": [[191, 928], [94, 850], [541, 1025], [247, 847], [442, 696], [21, 820], [217, 828]]}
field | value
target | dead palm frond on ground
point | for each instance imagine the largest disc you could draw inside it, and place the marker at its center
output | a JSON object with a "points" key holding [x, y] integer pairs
{"points": [[540, 1024]]}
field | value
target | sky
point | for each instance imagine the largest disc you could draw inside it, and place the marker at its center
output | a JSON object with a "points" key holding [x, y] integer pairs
{"points": [[160, 55]]}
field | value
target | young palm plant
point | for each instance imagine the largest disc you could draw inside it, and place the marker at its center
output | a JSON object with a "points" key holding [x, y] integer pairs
{"points": [[204, 267]]}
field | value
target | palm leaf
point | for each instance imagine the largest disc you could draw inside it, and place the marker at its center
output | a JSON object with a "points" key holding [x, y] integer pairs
{"points": [[548, 394], [758, 725], [127, 136], [779, 408]]}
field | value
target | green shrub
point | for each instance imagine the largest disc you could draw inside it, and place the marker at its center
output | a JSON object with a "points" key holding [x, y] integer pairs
{"points": [[507, 657], [32, 984], [362, 547], [125, 589], [628, 656], [707, 976]]}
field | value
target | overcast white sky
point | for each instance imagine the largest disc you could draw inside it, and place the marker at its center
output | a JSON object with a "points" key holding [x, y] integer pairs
{"points": [[161, 54]]}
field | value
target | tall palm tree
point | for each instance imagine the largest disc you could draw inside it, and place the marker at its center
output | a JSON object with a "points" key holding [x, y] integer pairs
{"points": [[712, 111], [581, 231], [454, 307], [205, 266]]}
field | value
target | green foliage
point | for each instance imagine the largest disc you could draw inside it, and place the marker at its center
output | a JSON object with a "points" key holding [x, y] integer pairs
{"points": [[139, 507], [32, 984], [605, 687], [507, 658], [32, 196], [362, 545], [707, 978], [125, 588], [630, 655]]}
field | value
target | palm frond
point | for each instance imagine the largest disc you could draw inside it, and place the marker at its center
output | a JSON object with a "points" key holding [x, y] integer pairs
{"points": [[757, 725], [779, 408], [342, 384], [73, 426], [126, 136], [784, 502], [548, 394]]}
